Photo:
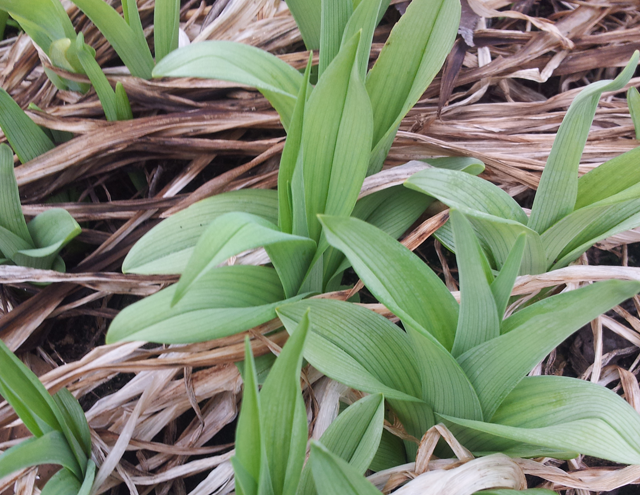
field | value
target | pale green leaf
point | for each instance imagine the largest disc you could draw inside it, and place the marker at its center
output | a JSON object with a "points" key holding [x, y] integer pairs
{"points": [[168, 246], [11, 217], [390, 453], [74, 418], [25, 137], [166, 25], [502, 285], [333, 19], [496, 367], [466, 164], [416, 49], [275, 79], [558, 188], [62, 483], [333, 475], [307, 14], [478, 321], [123, 107], [396, 277], [633, 100], [284, 417], [89, 476]]}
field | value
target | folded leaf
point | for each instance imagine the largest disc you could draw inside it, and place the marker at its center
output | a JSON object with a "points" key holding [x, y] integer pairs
{"points": [[168, 246], [558, 189], [24, 135], [284, 417], [123, 107], [496, 367], [353, 436], [11, 217], [396, 277], [74, 418], [333, 19], [502, 285], [166, 25], [416, 48], [223, 302], [231, 234], [566, 413], [333, 475], [633, 100], [275, 79]]}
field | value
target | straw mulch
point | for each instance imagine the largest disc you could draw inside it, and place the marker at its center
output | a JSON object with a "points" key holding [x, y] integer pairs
{"points": [[163, 417]]}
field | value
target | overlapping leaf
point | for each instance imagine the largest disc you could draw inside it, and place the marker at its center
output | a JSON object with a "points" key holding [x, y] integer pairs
{"points": [[166, 26]]}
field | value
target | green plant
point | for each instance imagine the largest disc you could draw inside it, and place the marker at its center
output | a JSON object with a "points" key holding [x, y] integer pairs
{"points": [[569, 214], [60, 431], [271, 438], [465, 365], [38, 243], [327, 155]]}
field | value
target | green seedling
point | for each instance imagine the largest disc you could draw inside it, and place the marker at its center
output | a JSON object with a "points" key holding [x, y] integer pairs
{"points": [[465, 365]]}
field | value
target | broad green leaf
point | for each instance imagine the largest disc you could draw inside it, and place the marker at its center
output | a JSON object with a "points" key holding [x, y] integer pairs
{"points": [[62, 483], [502, 285], [290, 157], [390, 453], [478, 321], [357, 347], [558, 188], [417, 47], [333, 475], [396, 277], [633, 100], [249, 446], [284, 417], [25, 137], [10, 243], [333, 19], [50, 448], [365, 18], [126, 38], [275, 79], [245, 483], [233, 233], [166, 24], [168, 246], [458, 189], [566, 413], [354, 436], [74, 418], [336, 139], [496, 367], [610, 178], [105, 92], [223, 302], [307, 14], [123, 107], [11, 217]]}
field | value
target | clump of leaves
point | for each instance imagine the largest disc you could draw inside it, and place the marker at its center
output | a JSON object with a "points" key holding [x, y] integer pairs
{"points": [[569, 214], [338, 131], [271, 439], [464, 364], [60, 431], [36, 244]]}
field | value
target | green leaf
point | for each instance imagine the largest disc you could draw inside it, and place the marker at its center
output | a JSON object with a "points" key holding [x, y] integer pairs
{"points": [[558, 188], [26, 138], [234, 233], [126, 37], [336, 139], [496, 367], [275, 79], [333, 475], [74, 418], [333, 19], [249, 448], [633, 100], [460, 190], [478, 321], [566, 413], [396, 277], [307, 14], [123, 107], [166, 25], [291, 155], [466, 164], [89, 477], [284, 416], [50, 448], [610, 178], [168, 246], [223, 302], [357, 347], [62, 483], [11, 217], [502, 285], [354, 436], [417, 47], [390, 453]]}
